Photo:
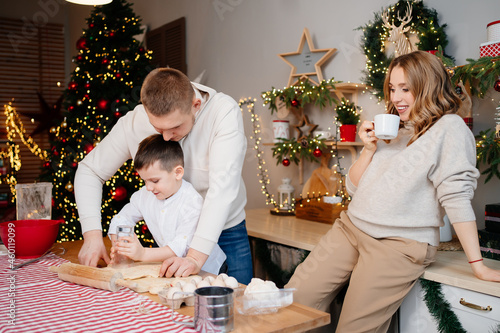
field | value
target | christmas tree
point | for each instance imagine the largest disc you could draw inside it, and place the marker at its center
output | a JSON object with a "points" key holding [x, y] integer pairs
{"points": [[110, 68]]}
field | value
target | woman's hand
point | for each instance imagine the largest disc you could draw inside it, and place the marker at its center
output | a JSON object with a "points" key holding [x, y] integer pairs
{"points": [[367, 135], [482, 272], [131, 247]]}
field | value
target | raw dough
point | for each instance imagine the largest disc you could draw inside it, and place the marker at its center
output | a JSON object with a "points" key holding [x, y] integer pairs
{"points": [[141, 270]]}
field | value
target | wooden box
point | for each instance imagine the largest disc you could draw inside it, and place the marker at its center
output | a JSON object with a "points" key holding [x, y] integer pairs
{"points": [[318, 211]]}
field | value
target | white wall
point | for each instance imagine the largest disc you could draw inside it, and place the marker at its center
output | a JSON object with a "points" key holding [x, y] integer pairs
{"points": [[237, 43]]}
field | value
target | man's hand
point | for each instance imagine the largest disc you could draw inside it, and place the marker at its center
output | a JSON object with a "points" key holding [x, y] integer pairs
{"points": [[92, 249], [182, 267]]}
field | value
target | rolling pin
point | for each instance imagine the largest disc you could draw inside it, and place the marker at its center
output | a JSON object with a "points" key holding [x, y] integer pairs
{"points": [[92, 277]]}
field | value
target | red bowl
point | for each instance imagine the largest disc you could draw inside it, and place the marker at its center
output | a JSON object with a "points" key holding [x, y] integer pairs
{"points": [[29, 238]]}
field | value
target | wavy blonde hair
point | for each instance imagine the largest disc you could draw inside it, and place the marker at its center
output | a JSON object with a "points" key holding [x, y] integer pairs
{"points": [[429, 83]]}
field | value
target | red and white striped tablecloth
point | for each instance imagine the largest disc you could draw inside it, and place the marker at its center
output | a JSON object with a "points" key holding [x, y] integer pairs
{"points": [[33, 299]]}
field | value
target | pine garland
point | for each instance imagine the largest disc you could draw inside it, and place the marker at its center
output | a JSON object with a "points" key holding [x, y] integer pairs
{"points": [[301, 94], [440, 309], [481, 74], [488, 153], [296, 150]]}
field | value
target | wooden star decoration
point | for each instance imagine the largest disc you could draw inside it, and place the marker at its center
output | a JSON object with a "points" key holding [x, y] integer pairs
{"points": [[304, 122], [307, 60], [48, 117]]}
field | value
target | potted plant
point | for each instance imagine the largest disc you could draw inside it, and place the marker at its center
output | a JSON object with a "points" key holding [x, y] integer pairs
{"points": [[348, 117]]}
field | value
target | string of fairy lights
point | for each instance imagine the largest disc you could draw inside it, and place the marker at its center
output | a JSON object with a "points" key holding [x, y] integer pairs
{"points": [[15, 128], [262, 174]]}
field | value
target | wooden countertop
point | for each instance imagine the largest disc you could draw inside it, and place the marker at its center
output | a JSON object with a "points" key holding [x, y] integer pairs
{"points": [[294, 318], [286, 230], [451, 267]]}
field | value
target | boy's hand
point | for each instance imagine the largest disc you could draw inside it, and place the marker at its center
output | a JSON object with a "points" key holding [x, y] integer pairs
{"points": [[131, 247], [182, 267]]}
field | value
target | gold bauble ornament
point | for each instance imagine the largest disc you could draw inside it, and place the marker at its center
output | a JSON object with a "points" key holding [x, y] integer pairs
{"points": [[53, 130], [64, 124]]}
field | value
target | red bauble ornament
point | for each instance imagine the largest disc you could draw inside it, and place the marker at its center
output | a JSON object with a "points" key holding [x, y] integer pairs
{"points": [[317, 152], [87, 85], [97, 131], [71, 108], [295, 103], [141, 49], [286, 162], [102, 104], [72, 85], [105, 61], [496, 86], [118, 75], [79, 58], [46, 165], [88, 148], [112, 34], [81, 43], [144, 228], [120, 193], [118, 114], [74, 165], [91, 25]]}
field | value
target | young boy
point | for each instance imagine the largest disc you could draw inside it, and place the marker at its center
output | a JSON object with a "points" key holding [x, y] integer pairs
{"points": [[169, 205]]}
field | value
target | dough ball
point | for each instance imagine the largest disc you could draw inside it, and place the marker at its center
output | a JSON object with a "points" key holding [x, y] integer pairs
{"points": [[203, 283], [218, 283], [222, 276], [209, 279], [196, 279], [231, 282]]}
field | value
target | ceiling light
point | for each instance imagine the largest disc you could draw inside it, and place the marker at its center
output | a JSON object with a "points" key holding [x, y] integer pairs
{"points": [[90, 2]]}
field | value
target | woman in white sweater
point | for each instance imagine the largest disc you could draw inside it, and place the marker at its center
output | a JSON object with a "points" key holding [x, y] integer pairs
{"points": [[400, 191]]}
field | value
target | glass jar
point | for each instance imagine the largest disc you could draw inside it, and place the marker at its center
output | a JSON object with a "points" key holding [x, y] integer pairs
{"points": [[120, 260]]}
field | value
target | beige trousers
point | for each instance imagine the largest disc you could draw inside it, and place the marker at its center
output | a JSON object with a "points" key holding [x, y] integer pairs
{"points": [[380, 273]]}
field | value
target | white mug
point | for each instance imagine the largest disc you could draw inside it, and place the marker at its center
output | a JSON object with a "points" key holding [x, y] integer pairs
{"points": [[386, 126], [323, 134]]}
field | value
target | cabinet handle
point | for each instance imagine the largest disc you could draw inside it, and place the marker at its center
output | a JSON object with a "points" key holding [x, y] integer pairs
{"points": [[474, 306]]}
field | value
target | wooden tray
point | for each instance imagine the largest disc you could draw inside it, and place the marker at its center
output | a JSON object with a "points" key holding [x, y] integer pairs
{"points": [[318, 211]]}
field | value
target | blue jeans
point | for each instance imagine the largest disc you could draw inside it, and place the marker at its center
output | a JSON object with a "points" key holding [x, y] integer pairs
{"points": [[234, 242]]}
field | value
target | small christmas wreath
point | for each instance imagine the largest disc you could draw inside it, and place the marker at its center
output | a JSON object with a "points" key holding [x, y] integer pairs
{"points": [[423, 23]]}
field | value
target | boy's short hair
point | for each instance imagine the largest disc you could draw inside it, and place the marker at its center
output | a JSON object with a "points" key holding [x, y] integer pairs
{"points": [[155, 148], [165, 90]]}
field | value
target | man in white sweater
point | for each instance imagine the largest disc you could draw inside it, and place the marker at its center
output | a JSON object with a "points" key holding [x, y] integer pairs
{"points": [[209, 127]]}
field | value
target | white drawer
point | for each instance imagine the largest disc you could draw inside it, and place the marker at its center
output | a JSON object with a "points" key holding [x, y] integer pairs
{"points": [[473, 320], [415, 317]]}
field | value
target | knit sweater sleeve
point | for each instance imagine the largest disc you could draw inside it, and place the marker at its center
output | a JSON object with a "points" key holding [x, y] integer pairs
{"points": [[454, 173]]}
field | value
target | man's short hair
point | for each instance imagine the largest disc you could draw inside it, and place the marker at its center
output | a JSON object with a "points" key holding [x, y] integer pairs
{"points": [[155, 148], [165, 90]]}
